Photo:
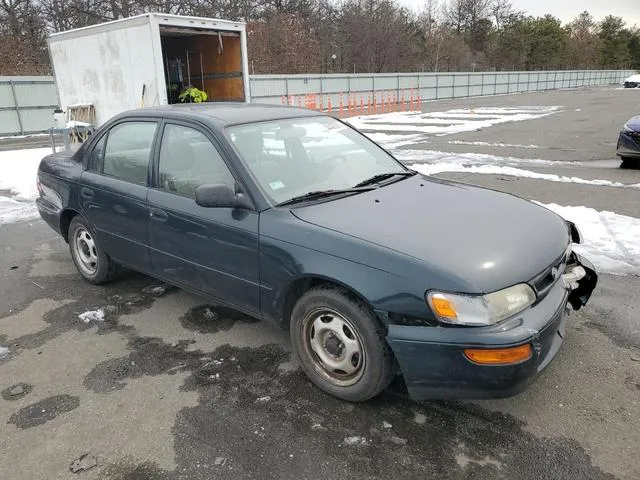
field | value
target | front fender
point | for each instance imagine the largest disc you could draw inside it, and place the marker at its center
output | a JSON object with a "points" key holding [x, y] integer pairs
{"points": [[580, 295], [282, 264]]}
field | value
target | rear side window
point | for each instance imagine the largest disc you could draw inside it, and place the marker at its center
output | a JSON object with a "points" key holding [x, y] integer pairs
{"points": [[128, 149], [188, 159]]}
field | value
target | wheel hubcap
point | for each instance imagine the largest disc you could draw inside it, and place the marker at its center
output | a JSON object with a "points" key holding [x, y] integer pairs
{"points": [[86, 251], [335, 346]]}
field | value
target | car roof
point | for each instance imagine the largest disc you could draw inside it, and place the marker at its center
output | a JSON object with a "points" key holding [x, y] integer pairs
{"points": [[228, 113]]}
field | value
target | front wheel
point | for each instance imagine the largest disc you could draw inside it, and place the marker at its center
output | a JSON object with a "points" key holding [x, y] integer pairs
{"points": [[341, 344], [92, 263]]}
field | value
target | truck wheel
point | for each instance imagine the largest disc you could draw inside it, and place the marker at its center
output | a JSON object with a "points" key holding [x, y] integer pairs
{"points": [[92, 263], [341, 344]]}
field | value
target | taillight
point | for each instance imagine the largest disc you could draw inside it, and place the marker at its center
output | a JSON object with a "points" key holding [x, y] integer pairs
{"points": [[39, 185]]}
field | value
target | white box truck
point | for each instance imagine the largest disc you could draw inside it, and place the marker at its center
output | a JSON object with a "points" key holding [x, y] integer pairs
{"points": [[148, 60]]}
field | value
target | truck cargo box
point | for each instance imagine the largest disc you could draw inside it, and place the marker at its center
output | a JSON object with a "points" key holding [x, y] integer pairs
{"points": [[148, 60]]}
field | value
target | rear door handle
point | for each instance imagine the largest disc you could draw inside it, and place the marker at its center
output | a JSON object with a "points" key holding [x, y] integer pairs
{"points": [[158, 215], [86, 193]]}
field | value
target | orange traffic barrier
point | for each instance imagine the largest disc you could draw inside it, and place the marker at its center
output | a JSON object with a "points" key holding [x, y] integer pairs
{"points": [[341, 105], [329, 103]]}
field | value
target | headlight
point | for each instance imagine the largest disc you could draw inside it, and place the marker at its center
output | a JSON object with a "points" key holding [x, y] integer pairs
{"points": [[480, 309], [627, 129]]}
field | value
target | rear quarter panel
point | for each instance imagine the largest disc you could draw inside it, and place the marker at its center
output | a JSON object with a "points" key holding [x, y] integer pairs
{"points": [[58, 175]]}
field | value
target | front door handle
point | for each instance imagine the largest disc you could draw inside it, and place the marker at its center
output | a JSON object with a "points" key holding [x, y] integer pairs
{"points": [[158, 215], [86, 193]]}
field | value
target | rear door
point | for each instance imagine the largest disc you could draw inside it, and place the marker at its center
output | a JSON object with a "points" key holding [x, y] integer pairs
{"points": [[113, 190], [214, 250]]}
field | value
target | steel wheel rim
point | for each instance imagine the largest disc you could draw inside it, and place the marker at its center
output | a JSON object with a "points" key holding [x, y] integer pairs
{"points": [[335, 347], [86, 252]]}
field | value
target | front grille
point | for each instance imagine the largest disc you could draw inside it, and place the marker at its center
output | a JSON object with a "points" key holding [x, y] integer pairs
{"points": [[543, 282]]}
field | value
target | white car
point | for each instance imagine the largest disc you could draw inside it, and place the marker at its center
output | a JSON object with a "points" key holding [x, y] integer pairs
{"points": [[632, 82]]}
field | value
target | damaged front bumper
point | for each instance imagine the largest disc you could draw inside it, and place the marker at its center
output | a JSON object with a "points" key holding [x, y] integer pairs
{"points": [[433, 362]]}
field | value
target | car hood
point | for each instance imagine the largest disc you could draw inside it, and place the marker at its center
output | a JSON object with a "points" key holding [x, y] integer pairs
{"points": [[490, 239], [634, 123]]}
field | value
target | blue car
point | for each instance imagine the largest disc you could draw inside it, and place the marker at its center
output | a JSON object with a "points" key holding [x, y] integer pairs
{"points": [[629, 143], [298, 219]]}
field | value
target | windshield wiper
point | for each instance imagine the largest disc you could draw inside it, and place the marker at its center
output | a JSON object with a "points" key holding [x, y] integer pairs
{"points": [[322, 194], [383, 176]]}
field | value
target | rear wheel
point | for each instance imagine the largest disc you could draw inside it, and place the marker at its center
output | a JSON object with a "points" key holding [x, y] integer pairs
{"points": [[340, 344], [92, 263]]}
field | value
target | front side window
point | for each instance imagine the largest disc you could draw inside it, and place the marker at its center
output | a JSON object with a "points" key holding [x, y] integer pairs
{"points": [[128, 150], [292, 157], [188, 159]]}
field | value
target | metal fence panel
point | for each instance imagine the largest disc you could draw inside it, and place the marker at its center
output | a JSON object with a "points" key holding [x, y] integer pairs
{"points": [[9, 124], [26, 103]]}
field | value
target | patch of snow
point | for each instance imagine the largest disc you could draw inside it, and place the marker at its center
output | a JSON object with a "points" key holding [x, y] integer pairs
{"points": [[433, 156], [449, 122], [76, 123], [92, 316], [633, 78], [611, 241], [395, 141], [386, 425], [463, 461], [420, 418], [80, 104], [432, 169], [30, 135], [4, 352], [13, 211], [486, 144], [18, 172], [355, 441]]}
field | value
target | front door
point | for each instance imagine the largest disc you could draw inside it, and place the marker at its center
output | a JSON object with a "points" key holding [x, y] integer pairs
{"points": [[214, 250], [113, 191]]}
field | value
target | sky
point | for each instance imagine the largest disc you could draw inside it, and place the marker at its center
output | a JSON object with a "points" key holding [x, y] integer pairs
{"points": [[567, 10]]}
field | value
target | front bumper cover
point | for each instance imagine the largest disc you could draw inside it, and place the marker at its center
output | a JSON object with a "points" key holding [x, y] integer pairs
{"points": [[628, 145], [434, 366]]}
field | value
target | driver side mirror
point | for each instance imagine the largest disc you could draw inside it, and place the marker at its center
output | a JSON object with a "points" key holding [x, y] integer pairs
{"points": [[220, 195]]}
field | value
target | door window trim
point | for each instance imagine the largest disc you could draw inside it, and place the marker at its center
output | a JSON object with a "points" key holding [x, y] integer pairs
{"points": [[87, 157], [105, 135], [155, 172]]}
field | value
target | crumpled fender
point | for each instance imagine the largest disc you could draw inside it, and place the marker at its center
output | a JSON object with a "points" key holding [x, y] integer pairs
{"points": [[579, 296]]}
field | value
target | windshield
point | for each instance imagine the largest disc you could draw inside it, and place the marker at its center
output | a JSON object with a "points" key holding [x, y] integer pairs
{"points": [[292, 157]]}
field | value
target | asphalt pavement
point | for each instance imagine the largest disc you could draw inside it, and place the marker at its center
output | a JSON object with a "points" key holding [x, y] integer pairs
{"points": [[169, 387]]}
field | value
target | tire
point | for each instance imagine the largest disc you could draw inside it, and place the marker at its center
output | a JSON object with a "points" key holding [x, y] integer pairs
{"points": [[349, 357], [92, 263]]}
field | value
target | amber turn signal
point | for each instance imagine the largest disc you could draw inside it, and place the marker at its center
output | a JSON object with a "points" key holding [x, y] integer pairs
{"points": [[499, 356]]}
